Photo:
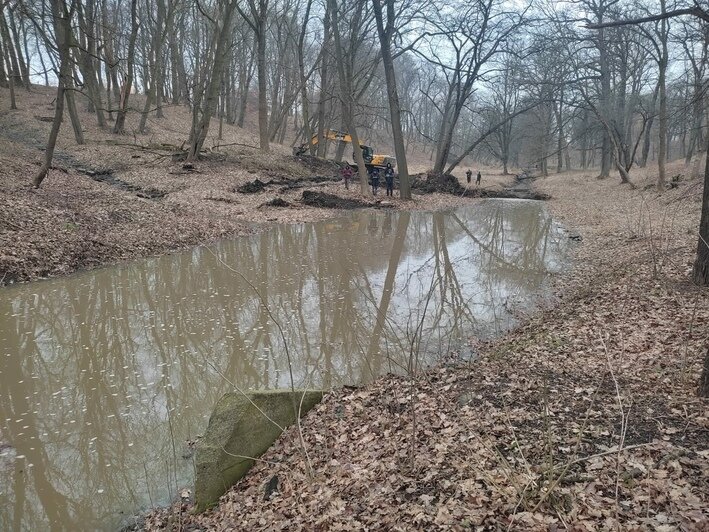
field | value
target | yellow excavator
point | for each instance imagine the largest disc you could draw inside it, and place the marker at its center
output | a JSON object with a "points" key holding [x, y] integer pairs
{"points": [[371, 160]]}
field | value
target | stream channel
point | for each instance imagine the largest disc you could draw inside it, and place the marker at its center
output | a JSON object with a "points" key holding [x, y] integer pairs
{"points": [[105, 374]]}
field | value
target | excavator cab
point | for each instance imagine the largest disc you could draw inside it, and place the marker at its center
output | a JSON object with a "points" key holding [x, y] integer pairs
{"points": [[367, 153]]}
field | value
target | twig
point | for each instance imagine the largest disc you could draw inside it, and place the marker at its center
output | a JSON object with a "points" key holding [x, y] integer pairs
{"points": [[297, 410], [217, 146], [623, 423]]}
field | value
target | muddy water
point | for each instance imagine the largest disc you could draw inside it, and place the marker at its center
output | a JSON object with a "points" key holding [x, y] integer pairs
{"points": [[105, 375]]}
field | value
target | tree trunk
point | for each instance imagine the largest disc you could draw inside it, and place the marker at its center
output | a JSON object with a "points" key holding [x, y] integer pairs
{"points": [[307, 133], [24, 67], [385, 35], [62, 31], [209, 104], [229, 85], [696, 140], [177, 64], [10, 55], [662, 67], [262, 89], [246, 74], [560, 136], [701, 265], [3, 75], [648, 129], [322, 143], [11, 77], [119, 126], [87, 54], [704, 379], [257, 22], [154, 92], [605, 102], [347, 101]]}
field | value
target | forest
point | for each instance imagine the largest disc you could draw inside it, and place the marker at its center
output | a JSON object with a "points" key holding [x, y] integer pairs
{"points": [[445, 79], [134, 130]]}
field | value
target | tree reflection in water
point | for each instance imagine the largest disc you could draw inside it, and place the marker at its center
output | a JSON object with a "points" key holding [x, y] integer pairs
{"points": [[105, 374]]}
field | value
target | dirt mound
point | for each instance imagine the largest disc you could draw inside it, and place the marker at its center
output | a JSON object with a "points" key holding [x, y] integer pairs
{"points": [[286, 183], [511, 193], [276, 202], [448, 184], [330, 201], [252, 187], [317, 165], [443, 183], [300, 182]]}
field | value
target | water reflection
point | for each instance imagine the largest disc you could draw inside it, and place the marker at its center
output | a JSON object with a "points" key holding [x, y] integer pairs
{"points": [[104, 375]]}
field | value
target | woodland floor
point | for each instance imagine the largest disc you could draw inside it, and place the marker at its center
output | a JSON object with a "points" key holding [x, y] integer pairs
{"points": [[585, 418]]}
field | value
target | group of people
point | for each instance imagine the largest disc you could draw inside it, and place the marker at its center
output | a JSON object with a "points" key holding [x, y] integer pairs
{"points": [[469, 176], [374, 176]]}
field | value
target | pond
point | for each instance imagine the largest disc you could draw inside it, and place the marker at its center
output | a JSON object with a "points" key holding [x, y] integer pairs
{"points": [[105, 375]]}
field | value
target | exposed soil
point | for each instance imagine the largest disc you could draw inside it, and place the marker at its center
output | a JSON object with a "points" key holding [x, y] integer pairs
{"points": [[318, 166], [285, 183], [106, 176], [277, 202], [252, 187], [428, 183], [323, 200]]}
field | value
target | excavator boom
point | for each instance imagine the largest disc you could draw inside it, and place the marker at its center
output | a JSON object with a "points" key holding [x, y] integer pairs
{"points": [[370, 158]]}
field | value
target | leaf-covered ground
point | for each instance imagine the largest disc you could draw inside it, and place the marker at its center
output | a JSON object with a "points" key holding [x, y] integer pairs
{"points": [[585, 418]]}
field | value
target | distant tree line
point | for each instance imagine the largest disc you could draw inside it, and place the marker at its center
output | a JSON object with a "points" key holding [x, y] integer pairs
{"points": [[530, 85]]}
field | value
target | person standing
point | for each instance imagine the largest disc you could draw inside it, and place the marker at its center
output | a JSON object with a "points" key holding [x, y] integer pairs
{"points": [[347, 174], [389, 178], [375, 180], [478, 178], [469, 175]]}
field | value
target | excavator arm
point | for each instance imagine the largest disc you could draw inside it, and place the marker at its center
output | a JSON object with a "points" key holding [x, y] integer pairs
{"points": [[332, 134]]}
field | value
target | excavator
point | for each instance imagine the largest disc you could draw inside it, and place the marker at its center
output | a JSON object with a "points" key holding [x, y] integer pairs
{"points": [[371, 160]]}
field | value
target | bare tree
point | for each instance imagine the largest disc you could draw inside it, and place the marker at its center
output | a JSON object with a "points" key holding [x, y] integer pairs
{"points": [[472, 36], [346, 96], [126, 87], [386, 32], [257, 19], [62, 31], [202, 114], [659, 37]]}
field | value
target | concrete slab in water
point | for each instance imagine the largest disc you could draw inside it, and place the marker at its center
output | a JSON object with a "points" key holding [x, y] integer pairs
{"points": [[243, 427]]}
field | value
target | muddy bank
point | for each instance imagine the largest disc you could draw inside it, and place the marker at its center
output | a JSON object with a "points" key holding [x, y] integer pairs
{"points": [[447, 184], [86, 215], [330, 201], [284, 184]]}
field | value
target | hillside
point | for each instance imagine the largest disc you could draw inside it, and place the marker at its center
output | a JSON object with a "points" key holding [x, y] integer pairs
{"points": [[120, 197]]}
